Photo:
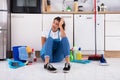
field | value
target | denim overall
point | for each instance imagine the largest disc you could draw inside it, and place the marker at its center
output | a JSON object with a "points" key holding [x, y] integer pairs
{"points": [[55, 49]]}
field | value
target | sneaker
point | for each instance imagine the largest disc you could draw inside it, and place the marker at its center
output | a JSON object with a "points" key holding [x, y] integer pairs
{"points": [[66, 68], [50, 68]]}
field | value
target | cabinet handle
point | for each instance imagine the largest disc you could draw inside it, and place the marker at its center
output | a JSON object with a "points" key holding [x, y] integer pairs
{"points": [[14, 16], [88, 17]]}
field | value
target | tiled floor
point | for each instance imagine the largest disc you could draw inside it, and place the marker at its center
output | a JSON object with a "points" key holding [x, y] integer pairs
{"points": [[90, 71]]}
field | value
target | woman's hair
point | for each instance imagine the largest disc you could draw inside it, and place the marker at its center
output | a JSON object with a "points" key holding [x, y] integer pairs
{"points": [[58, 19]]}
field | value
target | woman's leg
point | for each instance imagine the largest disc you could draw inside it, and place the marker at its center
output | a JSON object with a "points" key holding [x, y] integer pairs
{"points": [[62, 51], [47, 51], [47, 55]]}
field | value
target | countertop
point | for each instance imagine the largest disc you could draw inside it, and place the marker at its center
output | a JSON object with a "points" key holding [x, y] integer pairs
{"points": [[90, 12]]}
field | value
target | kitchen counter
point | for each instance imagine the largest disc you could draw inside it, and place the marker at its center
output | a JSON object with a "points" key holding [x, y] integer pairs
{"points": [[106, 12]]}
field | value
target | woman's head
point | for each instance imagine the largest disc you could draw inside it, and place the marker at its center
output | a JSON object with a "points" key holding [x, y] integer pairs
{"points": [[55, 25]]}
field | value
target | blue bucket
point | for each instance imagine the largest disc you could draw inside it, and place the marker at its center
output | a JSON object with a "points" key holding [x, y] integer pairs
{"points": [[16, 53]]}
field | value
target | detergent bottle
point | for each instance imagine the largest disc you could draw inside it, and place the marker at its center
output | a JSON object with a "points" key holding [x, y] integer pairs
{"points": [[78, 54], [34, 56], [71, 55], [74, 52]]}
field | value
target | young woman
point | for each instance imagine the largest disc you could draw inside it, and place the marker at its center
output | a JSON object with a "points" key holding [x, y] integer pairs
{"points": [[55, 45]]}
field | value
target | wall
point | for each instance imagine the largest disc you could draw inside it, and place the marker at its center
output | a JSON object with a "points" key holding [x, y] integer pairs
{"points": [[57, 5], [112, 5]]}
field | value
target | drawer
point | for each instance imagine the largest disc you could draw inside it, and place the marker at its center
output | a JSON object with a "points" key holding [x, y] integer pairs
{"points": [[112, 43], [112, 17], [112, 28]]}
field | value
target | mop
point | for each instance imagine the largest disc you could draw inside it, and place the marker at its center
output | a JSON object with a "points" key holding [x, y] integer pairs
{"points": [[95, 56]]}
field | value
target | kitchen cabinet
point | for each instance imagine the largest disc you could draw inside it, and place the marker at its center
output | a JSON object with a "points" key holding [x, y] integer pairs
{"points": [[84, 32], [26, 30], [48, 20], [112, 32]]}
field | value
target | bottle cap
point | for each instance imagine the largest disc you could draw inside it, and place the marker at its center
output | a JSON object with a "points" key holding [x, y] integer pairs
{"points": [[79, 49]]}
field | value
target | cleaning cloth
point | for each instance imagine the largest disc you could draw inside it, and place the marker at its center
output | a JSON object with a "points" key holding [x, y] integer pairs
{"points": [[15, 64], [81, 61]]}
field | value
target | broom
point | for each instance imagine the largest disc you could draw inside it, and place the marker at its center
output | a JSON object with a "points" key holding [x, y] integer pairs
{"points": [[95, 56]]}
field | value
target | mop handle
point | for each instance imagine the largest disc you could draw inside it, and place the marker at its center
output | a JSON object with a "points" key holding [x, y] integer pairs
{"points": [[95, 26]]}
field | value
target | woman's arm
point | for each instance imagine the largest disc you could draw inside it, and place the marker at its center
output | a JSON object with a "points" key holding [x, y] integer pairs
{"points": [[43, 40], [63, 34]]}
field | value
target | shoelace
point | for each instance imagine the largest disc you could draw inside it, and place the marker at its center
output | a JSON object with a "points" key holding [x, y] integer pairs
{"points": [[49, 65], [66, 65]]}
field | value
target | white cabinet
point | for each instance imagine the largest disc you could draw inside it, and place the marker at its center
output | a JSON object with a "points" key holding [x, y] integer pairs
{"points": [[26, 30], [100, 32], [48, 20], [112, 43], [84, 31], [112, 32]]}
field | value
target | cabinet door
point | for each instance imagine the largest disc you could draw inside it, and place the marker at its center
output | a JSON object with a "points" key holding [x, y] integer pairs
{"points": [[100, 31], [112, 33], [112, 43], [112, 25], [85, 31], [48, 19], [26, 30], [113, 28]]}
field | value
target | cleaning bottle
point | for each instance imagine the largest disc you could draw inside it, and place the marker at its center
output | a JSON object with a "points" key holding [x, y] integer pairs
{"points": [[71, 55], [34, 56], [74, 53], [78, 54]]}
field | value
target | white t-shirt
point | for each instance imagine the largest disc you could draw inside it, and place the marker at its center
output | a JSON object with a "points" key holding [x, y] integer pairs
{"points": [[54, 35]]}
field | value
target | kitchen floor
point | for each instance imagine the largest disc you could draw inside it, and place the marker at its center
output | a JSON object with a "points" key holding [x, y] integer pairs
{"points": [[90, 71]]}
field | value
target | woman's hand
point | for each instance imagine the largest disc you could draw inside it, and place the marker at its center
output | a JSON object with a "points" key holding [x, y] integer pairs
{"points": [[63, 34], [61, 23]]}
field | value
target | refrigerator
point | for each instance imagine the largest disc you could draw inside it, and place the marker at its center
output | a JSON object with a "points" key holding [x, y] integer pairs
{"points": [[4, 26]]}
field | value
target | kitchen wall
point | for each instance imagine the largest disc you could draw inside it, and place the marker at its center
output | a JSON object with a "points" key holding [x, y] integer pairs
{"points": [[112, 5], [57, 5]]}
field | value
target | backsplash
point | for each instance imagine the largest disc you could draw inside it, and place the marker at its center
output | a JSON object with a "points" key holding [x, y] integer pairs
{"points": [[60, 5], [111, 5]]}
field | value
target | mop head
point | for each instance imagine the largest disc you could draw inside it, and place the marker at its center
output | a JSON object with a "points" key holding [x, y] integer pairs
{"points": [[94, 57], [103, 61]]}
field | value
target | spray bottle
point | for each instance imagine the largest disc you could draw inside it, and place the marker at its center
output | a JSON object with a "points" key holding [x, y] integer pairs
{"points": [[78, 54], [71, 55]]}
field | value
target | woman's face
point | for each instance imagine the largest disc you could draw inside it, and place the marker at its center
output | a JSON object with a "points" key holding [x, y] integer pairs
{"points": [[55, 25]]}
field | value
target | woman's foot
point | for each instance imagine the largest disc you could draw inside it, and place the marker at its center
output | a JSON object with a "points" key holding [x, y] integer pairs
{"points": [[50, 68], [66, 68]]}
